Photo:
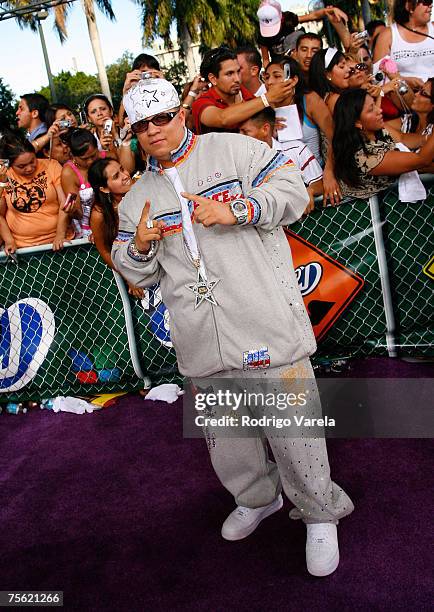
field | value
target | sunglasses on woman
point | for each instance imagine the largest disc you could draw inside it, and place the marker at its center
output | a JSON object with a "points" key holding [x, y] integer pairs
{"points": [[158, 120], [362, 67], [425, 2]]}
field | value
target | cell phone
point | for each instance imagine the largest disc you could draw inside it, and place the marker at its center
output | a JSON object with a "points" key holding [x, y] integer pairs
{"points": [[4, 162], [108, 124], [82, 116], [362, 35], [69, 202], [286, 71]]}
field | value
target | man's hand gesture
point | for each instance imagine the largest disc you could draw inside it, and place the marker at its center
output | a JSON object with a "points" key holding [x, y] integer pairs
{"points": [[211, 212], [147, 230]]}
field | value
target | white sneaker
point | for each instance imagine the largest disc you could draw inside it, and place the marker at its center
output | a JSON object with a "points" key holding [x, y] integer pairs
{"points": [[322, 550], [243, 521]]}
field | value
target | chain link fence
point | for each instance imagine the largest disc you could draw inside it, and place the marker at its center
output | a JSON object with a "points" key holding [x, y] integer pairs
{"points": [[409, 241], [68, 326]]}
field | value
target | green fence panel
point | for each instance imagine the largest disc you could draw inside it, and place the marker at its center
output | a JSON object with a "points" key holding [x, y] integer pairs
{"points": [[63, 327], [152, 332], [345, 233], [409, 241], [68, 326]]}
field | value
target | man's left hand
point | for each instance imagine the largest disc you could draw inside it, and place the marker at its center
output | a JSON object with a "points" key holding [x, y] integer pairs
{"points": [[211, 212]]}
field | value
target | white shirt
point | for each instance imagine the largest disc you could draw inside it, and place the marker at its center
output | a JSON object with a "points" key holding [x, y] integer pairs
{"points": [[302, 157], [260, 91], [413, 59]]}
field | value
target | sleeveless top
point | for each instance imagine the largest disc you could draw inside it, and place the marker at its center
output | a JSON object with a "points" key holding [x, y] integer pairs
{"points": [[87, 197], [311, 135], [413, 59]]}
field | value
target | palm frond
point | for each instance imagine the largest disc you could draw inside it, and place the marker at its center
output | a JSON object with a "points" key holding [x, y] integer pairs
{"points": [[60, 17], [105, 6]]}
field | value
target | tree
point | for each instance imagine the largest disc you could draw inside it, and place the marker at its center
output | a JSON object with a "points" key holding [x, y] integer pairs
{"points": [[61, 16], [356, 10], [177, 75], [116, 73], [72, 89], [212, 22], [7, 104]]}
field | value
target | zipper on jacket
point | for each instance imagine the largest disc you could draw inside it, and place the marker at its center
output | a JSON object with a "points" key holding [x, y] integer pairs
{"points": [[189, 261]]}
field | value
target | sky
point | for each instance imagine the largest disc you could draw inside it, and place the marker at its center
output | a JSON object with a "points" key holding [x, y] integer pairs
{"points": [[23, 68]]}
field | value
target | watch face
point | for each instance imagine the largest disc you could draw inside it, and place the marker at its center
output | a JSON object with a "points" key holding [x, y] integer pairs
{"points": [[239, 207]]}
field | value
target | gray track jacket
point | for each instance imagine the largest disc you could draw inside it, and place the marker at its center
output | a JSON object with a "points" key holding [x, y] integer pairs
{"points": [[260, 320]]}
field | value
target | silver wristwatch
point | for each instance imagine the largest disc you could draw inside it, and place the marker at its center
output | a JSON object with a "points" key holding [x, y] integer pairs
{"points": [[239, 210]]}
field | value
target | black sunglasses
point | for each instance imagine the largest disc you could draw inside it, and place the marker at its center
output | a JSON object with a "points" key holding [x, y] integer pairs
{"points": [[160, 119], [425, 2], [362, 67]]}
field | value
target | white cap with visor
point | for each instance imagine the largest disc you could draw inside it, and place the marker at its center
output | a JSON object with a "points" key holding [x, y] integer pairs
{"points": [[150, 97]]}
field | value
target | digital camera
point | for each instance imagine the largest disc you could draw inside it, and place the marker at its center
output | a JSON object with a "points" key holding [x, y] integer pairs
{"points": [[64, 124], [362, 35], [403, 88]]}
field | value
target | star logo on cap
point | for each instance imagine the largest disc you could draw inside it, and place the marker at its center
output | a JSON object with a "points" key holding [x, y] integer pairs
{"points": [[151, 97]]}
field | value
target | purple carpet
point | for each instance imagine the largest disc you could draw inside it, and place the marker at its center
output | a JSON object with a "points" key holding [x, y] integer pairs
{"points": [[120, 512]]}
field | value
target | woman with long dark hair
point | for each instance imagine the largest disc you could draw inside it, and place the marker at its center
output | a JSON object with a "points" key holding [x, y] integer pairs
{"points": [[416, 126], [314, 117], [366, 160], [83, 146], [60, 112], [110, 182], [31, 197], [328, 75], [99, 111]]}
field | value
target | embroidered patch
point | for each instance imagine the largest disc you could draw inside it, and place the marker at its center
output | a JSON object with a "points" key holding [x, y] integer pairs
{"points": [[256, 359]]}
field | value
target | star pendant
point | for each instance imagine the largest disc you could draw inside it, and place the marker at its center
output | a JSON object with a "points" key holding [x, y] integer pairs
{"points": [[203, 290]]}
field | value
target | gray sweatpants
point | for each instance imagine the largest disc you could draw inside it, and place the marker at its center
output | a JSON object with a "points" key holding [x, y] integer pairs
{"points": [[301, 464]]}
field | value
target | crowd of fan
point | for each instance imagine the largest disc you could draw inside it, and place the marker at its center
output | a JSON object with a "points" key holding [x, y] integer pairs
{"points": [[352, 120]]}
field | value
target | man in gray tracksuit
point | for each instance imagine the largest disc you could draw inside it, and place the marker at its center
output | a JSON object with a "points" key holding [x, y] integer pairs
{"points": [[206, 223]]}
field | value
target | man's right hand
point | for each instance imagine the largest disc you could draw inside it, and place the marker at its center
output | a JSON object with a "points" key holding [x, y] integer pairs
{"points": [[135, 76], [280, 92], [144, 234]]}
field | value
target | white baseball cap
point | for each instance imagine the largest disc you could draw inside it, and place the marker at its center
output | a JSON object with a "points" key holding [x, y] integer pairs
{"points": [[270, 18], [150, 97]]}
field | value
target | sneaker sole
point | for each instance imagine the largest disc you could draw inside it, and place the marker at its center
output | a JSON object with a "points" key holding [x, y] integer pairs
{"points": [[326, 570], [243, 533]]}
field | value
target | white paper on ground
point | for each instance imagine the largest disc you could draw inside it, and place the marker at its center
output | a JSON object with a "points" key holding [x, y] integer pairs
{"points": [[72, 404], [293, 130], [168, 392], [410, 187]]}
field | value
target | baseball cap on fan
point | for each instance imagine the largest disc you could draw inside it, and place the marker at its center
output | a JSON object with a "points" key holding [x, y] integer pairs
{"points": [[150, 97], [270, 18]]}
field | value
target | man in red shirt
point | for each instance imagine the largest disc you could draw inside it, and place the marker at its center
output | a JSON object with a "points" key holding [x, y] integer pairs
{"points": [[227, 103]]}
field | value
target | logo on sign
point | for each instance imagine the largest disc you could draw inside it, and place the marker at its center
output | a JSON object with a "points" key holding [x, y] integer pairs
{"points": [[327, 286], [308, 277], [27, 331], [159, 319]]}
